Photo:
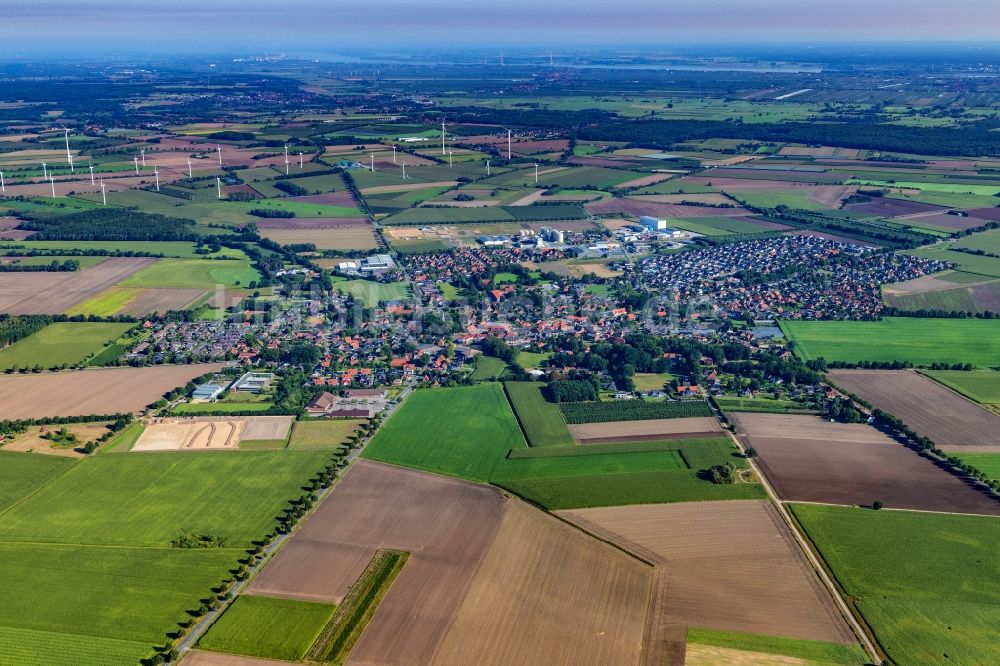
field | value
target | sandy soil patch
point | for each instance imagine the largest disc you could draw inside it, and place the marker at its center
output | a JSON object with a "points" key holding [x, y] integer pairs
{"points": [[652, 429], [809, 459], [730, 566], [31, 440], [267, 427], [55, 293], [931, 409], [190, 434], [92, 391], [447, 525], [549, 594], [528, 199]]}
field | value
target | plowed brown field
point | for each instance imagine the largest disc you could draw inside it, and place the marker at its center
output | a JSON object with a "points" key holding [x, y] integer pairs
{"points": [[651, 429], [95, 391], [549, 594], [809, 459], [55, 293], [929, 408], [730, 566]]}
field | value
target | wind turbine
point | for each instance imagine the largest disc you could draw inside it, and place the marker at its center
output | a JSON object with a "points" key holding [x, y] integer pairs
{"points": [[536, 173], [286, 159], [136, 160], [91, 173], [45, 171], [142, 150], [104, 196], [190, 174], [508, 145], [219, 149], [393, 153], [404, 170], [300, 159], [157, 174], [53, 184], [3, 188], [218, 184], [450, 153], [442, 136], [69, 156], [487, 168], [373, 162]]}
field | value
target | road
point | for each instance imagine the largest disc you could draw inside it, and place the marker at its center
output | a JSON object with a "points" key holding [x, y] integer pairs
{"points": [[199, 629], [806, 546]]}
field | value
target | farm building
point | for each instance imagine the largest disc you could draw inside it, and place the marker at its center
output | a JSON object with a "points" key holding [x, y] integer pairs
{"points": [[253, 382], [207, 391]]}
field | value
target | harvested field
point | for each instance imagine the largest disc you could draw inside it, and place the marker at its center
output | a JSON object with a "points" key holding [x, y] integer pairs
{"points": [[311, 222], [407, 187], [161, 300], [639, 207], [991, 214], [205, 658], [329, 199], [643, 181], [707, 198], [548, 594], [336, 238], [55, 293], [447, 525], [731, 566], [267, 427], [710, 655], [831, 195], [653, 429], [812, 460], [943, 220], [602, 162], [93, 391], [926, 406]]}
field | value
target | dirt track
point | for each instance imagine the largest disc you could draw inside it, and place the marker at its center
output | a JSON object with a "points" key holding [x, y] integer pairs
{"points": [[811, 460], [55, 293], [549, 594], [94, 391], [929, 408], [730, 566]]}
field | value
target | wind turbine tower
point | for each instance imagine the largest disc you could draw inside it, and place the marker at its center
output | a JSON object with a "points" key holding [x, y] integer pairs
{"points": [[536, 173], [143, 151], [487, 168], [136, 160], [3, 188], [450, 153], [404, 170], [157, 174], [508, 145], [442, 136], [53, 184], [219, 149], [69, 155], [104, 196], [45, 171], [373, 162], [218, 184], [393, 153], [190, 174], [300, 159], [91, 173]]}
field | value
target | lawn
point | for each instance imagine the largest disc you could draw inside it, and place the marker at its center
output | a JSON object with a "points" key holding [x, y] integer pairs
{"points": [[61, 343], [268, 627], [23, 473], [541, 420], [488, 368], [928, 584], [982, 386], [372, 293], [151, 498], [919, 341], [568, 477], [461, 432], [193, 274], [322, 434], [650, 381], [532, 360]]}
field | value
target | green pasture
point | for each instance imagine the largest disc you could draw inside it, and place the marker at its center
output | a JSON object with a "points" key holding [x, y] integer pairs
{"points": [[982, 386], [23, 473], [541, 420], [61, 343], [268, 627], [193, 274]]}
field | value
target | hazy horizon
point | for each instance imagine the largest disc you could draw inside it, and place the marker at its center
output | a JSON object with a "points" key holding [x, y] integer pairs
{"points": [[189, 27]]}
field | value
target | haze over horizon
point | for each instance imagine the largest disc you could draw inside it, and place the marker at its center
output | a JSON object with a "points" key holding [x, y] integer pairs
{"points": [[186, 26]]}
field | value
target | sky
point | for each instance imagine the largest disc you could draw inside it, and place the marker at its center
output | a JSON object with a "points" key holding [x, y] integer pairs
{"points": [[255, 26]]}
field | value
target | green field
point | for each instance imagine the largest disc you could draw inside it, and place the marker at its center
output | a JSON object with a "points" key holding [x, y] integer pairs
{"points": [[28, 647], [150, 499], [193, 274], [532, 360], [775, 199], [488, 368], [268, 627], [23, 473], [220, 408], [919, 341], [460, 431], [813, 651], [970, 263], [632, 410], [928, 584], [614, 474], [372, 293], [983, 386], [541, 420], [987, 463], [178, 249], [650, 381], [759, 404], [322, 434], [61, 343]]}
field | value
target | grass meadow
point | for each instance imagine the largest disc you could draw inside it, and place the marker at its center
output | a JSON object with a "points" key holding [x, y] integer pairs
{"points": [[61, 343], [982, 386], [268, 627], [193, 274], [541, 420], [919, 341], [322, 434], [23, 473], [928, 584]]}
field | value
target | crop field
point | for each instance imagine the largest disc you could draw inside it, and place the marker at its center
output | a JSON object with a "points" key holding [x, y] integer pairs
{"points": [[919, 341], [809, 459], [988, 267], [983, 386], [650, 429], [541, 420], [61, 343], [622, 473], [125, 300], [268, 627], [951, 292], [631, 410], [732, 566], [488, 368], [447, 525], [758, 404], [925, 583], [709, 647], [193, 274], [322, 434], [23, 473], [927, 407], [372, 293], [546, 594], [94, 391], [160, 495], [473, 427], [333, 238], [55, 293]]}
